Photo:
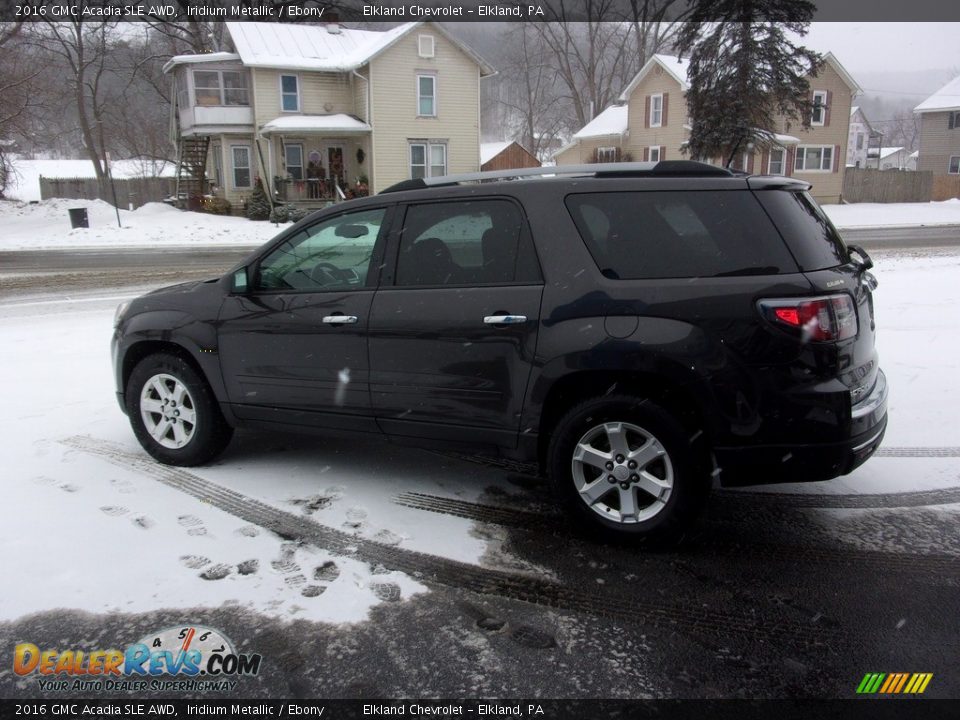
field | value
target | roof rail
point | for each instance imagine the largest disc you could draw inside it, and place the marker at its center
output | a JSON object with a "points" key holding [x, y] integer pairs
{"points": [[664, 168]]}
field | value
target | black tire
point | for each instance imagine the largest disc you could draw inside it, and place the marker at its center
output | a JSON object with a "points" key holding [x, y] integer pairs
{"points": [[207, 436], [689, 465]]}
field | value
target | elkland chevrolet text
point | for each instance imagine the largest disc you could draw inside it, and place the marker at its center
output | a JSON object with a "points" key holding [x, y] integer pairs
{"points": [[636, 329]]}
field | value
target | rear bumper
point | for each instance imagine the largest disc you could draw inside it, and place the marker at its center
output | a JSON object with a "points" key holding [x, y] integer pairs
{"points": [[770, 464]]}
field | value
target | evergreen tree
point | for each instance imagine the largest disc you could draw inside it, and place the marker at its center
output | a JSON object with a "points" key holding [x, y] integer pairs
{"points": [[745, 70], [258, 206]]}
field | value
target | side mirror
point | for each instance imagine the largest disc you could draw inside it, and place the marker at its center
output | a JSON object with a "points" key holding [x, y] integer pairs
{"points": [[351, 231], [238, 283], [865, 261]]}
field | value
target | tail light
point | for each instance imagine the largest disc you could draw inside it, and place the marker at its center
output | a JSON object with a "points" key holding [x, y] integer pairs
{"points": [[820, 319]]}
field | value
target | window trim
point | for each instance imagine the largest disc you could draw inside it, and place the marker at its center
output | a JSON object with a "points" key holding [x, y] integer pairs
{"points": [[303, 152], [433, 77], [233, 167], [659, 122], [800, 153], [822, 107], [433, 46], [950, 163], [650, 150], [612, 149], [376, 257], [280, 78], [389, 276]]}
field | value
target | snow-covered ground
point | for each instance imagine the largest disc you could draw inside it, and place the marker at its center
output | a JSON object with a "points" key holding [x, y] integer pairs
{"points": [[76, 530], [858, 215], [25, 226], [47, 224], [27, 173]]}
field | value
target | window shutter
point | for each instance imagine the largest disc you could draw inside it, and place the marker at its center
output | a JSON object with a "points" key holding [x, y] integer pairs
{"points": [[750, 162], [646, 113], [788, 170], [663, 117], [663, 148], [826, 112], [646, 150], [764, 162], [836, 158], [951, 120]]}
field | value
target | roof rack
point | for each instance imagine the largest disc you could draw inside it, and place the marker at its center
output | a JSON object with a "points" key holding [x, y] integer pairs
{"points": [[664, 168]]}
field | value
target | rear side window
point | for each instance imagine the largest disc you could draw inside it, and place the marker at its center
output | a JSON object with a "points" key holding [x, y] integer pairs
{"points": [[476, 242], [677, 234], [812, 238]]}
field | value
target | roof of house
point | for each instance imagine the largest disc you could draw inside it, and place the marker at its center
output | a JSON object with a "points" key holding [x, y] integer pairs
{"points": [[488, 151], [329, 47], [679, 70], [339, 122], [205, 57], [946, 98], [612, 121], [884, 151]]}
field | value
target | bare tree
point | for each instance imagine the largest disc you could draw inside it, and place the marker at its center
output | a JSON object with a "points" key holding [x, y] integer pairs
{"points": [[17, 100]]}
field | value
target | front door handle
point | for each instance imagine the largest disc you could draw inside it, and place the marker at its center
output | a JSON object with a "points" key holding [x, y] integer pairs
{"points": [[340, 319], [505, 319]]}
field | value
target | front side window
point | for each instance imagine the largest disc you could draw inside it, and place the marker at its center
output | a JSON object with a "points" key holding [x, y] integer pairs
{"points": [[235, 90], [679, 234], [812, 158], [607, 154], [242, 177], [777, 165], [428, 159], [293, 156], [289, 93], [819, 108], [334, 254], [954, 166], [426, 95], [206, 88], [478, 242], [656, 110], [655, 153], [859, 141]]}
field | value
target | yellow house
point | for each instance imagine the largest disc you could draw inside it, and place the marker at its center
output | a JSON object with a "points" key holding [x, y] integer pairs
{"points": [[318, 113], [654, 125]]}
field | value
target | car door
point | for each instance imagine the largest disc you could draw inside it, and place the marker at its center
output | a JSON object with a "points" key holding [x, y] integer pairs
{"points": [[293, 348], [453, 329]]}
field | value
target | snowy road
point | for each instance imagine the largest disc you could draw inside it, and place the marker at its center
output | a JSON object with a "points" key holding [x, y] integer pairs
{"points": [[365, 569]]}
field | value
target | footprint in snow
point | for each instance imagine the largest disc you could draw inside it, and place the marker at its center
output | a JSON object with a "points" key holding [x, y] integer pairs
{"points": [[386, 537], [114, 510], [313, 591], [217, 572], [69, 487], [386, 591], [43, 480], [248, 567], [328, 572], [355, 518], [194, 562], [142, 521], [248, 531], [122, 486], [193, 524]]}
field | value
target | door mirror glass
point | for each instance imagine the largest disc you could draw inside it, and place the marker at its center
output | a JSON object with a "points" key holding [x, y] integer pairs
{"points": [[865, 262], [238, 283], [352, 231]]}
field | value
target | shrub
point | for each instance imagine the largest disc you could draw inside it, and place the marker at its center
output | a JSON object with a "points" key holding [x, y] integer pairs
{"points": [[258, 206], [217, 206]]}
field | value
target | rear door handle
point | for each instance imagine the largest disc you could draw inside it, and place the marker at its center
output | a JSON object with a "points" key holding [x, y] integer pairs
{"points": [[340, 319], [505, 319]]}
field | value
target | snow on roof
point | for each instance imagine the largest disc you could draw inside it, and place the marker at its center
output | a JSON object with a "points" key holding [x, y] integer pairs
{"points": [[884, 151], [853, 110], [488, 151], [338, 122], [914, 154], [946, 98], [315, 47], [205, 57], [786, 139], [676, 67], [612, 121]]}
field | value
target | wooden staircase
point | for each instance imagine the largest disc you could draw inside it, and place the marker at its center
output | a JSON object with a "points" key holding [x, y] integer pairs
{"points": [[191, 168]]}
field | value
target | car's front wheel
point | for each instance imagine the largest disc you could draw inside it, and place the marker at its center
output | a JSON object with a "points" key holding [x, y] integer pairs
{"points": [[174, 413], [625, 468]]}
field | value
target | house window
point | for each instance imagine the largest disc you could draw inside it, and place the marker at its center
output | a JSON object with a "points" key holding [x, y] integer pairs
{"points": [[217, 151], [425, 46], [241, 166], [655, 153], [289, 93], [220, 87], [606, 154], [859, 141], [293, 158], [954, 167], [426, 95], [813, 158], [656, 110], [819, 107], [954, 120], [421, 153], [776, 165]]}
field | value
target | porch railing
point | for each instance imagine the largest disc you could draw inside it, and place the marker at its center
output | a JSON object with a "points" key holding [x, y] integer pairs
{"points": [[313, 190]]}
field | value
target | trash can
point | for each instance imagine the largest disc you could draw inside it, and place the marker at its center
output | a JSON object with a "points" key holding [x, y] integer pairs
{"points": [[78, 218]]}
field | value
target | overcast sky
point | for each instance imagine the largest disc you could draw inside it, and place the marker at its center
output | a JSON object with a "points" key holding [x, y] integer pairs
{"points": [[889, 47]]}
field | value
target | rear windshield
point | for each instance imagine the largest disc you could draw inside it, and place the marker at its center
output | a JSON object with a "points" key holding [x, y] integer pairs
{"points": [[679, 234], [812, 238]]}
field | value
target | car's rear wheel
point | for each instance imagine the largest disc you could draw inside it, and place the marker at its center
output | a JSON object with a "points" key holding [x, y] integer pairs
{"points": [[625, 468], [174, 413]]}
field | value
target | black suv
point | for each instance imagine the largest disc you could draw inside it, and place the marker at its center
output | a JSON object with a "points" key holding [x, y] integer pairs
{"points": [[636, 329]]}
